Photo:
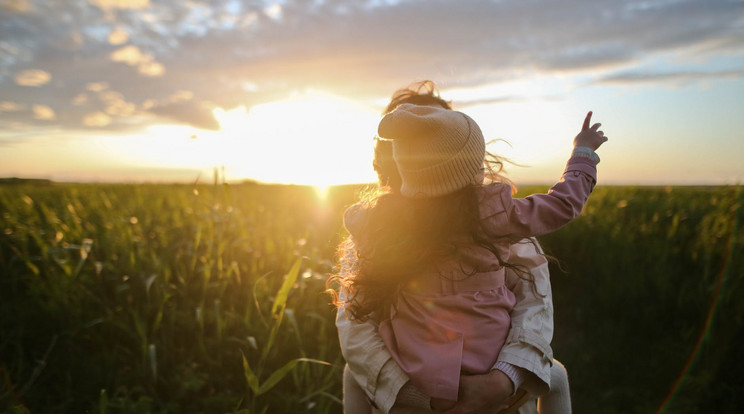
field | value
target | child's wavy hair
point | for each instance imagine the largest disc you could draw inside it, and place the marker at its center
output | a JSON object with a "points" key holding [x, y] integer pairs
{"points": [[404, 235]]}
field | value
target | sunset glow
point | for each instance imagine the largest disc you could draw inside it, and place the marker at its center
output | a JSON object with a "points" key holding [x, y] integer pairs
{"points": [[291, 93], [311, 138]]}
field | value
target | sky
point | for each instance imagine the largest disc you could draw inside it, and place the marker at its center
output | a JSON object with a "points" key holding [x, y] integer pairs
{"points": [[292, 91]]}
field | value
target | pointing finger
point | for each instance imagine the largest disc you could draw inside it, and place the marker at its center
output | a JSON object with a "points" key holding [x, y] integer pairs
{"points": [[587, 121]]}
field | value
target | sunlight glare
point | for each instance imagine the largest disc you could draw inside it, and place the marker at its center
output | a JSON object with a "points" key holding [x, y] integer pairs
{"points": [[312, 138], [167, 152], [322, 191]]}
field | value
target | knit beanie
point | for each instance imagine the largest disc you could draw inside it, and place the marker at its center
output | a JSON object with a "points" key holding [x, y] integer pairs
{"points": [[438, 151]]}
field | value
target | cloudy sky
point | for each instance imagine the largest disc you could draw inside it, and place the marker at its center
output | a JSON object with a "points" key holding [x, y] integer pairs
{"points": [[291, 91]]}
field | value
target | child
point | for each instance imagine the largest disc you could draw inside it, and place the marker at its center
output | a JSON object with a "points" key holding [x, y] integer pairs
{"points": [[525, 363], [431, 259]]}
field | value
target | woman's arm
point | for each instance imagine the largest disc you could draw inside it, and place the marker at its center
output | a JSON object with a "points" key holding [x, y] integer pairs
{"points": [[370, 363], [528, 343]]}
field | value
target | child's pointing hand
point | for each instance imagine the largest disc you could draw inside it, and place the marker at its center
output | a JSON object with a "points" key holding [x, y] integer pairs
{"points": [[589, 136]]}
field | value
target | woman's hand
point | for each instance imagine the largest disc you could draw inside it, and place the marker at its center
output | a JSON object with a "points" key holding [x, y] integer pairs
{"points": [[589, 136], [485, 393]]}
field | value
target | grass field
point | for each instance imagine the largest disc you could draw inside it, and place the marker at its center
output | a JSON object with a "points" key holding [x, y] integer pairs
{"points": [[209, 299]]}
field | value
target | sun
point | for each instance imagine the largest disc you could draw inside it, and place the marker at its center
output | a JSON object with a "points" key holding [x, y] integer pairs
{"points": [[311, 138]]}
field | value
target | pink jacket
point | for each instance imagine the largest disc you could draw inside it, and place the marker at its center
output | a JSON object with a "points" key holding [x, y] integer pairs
{"points": [[448, 323]]}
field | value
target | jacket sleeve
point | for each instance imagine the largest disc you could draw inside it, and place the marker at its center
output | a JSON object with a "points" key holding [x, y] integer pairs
{"points": [[540, 213], [528, 343], [370, 363]]}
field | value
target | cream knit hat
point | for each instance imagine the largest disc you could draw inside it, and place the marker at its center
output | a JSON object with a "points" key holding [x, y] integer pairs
{"points": [[437, 151]]}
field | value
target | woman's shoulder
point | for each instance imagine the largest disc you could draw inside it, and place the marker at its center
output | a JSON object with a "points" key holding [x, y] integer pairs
{"points": [[492, 198]]}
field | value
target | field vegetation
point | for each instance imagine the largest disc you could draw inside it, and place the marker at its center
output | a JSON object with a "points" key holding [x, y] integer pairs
{"points": [[209, 299]]}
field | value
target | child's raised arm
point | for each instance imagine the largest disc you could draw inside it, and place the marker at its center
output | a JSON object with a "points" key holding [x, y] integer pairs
{"points": [[544, 213]]}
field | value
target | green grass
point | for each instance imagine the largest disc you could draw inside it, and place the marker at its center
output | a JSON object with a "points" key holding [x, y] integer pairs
{"points": [[209, 299], [644, 269]]}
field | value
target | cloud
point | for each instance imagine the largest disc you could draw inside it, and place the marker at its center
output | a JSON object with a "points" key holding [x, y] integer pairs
{"points": [[43, 112], [181, 96], [274, 11], [32, 77], [6, 106], [194, 113], [132, 56], [227, 53], [96, 119], [675, 77], [118, 37], [79, 99], [120, 4], [116, 105], [96, 86], [150, 68], [17, 6]]}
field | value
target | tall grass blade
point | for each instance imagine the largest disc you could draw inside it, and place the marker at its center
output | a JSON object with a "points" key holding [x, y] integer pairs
{"points": [[250, 377], [289, 281], [103, 402], [280, 373]]}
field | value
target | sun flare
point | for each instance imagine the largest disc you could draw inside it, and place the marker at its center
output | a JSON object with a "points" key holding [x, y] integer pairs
{"points": [[311, 138]]}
